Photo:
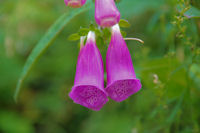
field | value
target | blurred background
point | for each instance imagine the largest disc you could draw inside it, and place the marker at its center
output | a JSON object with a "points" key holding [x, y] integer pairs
{"points": [[168, 64]]}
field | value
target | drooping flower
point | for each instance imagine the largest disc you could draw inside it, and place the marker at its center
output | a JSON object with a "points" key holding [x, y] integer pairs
{"points": [[88, 89], [121, 78], [75, 3], [106, 13]]}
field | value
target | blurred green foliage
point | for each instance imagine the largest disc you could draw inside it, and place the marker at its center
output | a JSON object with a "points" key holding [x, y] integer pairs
{"points": [[168, 65]]}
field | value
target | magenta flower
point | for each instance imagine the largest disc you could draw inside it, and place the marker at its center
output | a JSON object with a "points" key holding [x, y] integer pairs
{"points": [[88, 89], [121, 78], [106, 13], [75, 3]]}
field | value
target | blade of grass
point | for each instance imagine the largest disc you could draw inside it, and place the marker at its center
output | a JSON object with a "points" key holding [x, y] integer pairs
{"points": [[176, 108], [45, 42]]}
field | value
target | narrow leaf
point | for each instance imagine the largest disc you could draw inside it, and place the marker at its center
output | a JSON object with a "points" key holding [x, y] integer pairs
{"points": [[45, 42]]}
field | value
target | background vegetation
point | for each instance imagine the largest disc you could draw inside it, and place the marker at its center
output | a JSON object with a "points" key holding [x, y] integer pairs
{"points": [[168, 65]]}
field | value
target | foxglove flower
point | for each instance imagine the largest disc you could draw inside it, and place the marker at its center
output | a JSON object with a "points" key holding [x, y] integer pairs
{"points": [[106, 13], [75, 3], [121, 78], [88, 89]]}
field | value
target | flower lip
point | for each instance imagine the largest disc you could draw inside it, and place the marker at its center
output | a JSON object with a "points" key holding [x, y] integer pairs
{"points": [[89, 96], [120, 90]]}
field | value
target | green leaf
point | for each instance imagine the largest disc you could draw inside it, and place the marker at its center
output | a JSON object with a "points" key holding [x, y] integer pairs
{"points": [[74, 37], [45, 42], [124, 23], [193, 12], [83, 31]]}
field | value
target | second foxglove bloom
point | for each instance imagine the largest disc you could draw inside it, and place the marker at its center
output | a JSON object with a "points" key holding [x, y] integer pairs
{"points": [[75, 3], [106, 13], [121, 78], [88, 89]]}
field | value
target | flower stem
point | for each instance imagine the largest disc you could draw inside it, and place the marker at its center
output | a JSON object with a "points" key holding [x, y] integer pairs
{"points": [[135, 39]]}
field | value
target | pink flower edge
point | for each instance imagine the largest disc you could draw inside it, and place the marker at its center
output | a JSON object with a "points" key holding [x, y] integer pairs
{"points": [[89, 96], [120, 90]]}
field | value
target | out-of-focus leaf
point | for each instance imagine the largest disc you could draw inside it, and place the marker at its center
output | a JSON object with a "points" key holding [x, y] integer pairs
{"points": [[45, 42], [124, 23], [1, 41], [109, 124], [195, 3], [176, 108], [74, 37], [193, 12], [138, 6], [155, 111], [195, 74], [11, 122], [153, 21]]}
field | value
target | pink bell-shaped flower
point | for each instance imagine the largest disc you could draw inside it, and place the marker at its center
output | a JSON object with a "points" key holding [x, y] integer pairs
{"points": [[121, 78], [75, 3], [88, 89], [106, 13]]}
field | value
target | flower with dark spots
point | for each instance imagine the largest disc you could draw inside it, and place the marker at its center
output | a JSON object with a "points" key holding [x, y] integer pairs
{"points": [[121, 78], [88, 89]]}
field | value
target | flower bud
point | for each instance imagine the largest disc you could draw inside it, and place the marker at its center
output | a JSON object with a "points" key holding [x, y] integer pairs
{"points": [[106, 13], [75, 3]]}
